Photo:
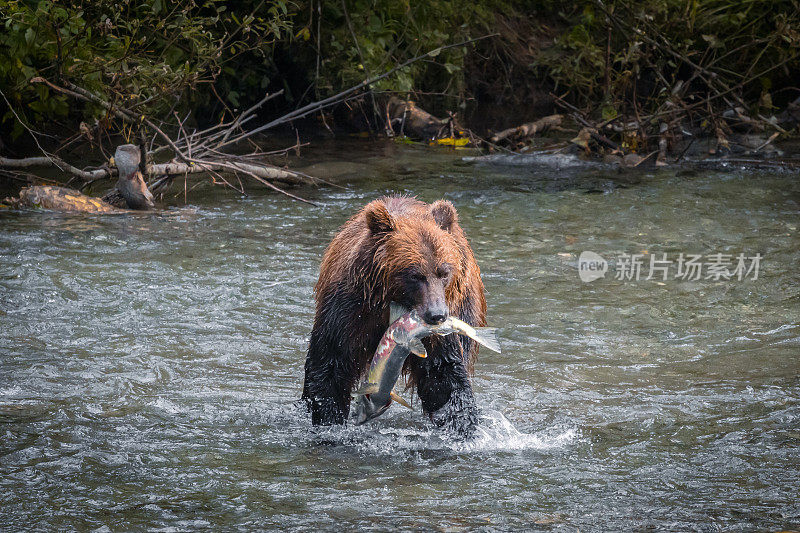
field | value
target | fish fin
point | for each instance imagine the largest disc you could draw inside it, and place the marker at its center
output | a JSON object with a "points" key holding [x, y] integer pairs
{"points": [[417, 348], [367, 388], [487, 337], [396, 311], [396, 397]]}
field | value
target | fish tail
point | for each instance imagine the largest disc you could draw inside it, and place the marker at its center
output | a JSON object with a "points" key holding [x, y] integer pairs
{"points": [[487, 337], [396, 311]]}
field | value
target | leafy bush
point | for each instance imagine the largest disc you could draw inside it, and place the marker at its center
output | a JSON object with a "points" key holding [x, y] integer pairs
{"points": [[147, 54], [622, 53], [211, 58]]}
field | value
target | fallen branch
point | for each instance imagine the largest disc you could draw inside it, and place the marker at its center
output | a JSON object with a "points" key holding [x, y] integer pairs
{"points": [[198, 166], [53, 161], [590, 128], [201, 152], [238, 121], [768, 141], [191, 160], [238, 168], [172, 168], [530, 128]]}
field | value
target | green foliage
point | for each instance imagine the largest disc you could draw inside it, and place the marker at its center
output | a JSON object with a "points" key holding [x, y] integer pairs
{"points": [[160, 56], [147, 54], [382, 33], [668, 49], [212, 56]]}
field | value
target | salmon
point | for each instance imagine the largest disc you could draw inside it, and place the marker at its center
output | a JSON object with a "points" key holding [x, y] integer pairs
{"points": [[402, 338]]}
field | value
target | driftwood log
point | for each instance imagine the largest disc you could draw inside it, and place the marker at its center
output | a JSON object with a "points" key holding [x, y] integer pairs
{"points": [[60, 199], [529, 129]]}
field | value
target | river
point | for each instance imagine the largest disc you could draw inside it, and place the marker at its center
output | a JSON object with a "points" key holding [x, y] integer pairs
{"points": [[150, 365]]}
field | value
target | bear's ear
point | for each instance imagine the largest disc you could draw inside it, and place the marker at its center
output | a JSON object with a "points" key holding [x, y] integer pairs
{"points": [[378, 218], [444, 214]]}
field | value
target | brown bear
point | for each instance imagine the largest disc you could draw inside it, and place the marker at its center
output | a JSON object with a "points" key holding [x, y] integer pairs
{"points": [[396, 249]]}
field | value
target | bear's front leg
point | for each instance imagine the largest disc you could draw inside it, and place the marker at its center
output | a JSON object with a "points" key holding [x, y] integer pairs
{"points": [[444, 387], [328, 379]]}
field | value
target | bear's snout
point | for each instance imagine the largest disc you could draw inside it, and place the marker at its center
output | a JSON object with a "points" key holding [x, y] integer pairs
{"points": [[435, 316]]}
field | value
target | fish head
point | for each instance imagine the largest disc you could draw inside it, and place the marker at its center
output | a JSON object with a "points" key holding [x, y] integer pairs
{"points": [[367, 408], [445, 328]]}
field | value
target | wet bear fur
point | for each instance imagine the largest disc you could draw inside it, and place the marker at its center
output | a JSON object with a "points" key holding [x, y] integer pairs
{"points": [[403, 250]]}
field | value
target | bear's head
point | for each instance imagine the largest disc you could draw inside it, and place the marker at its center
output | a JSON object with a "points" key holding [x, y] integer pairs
{"points": [[419, 256]]}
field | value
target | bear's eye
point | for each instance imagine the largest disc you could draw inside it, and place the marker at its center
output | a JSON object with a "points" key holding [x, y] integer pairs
{"points": [[417, 277], [443, 271]]}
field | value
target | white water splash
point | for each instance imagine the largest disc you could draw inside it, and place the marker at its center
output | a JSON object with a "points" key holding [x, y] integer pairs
{"points": [[496, 433]]}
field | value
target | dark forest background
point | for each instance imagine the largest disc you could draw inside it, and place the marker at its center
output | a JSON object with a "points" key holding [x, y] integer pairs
{"points": [[211, 59]]}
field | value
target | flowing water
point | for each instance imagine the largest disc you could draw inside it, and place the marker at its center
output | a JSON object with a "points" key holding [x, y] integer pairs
{"points": [[150, 365]]}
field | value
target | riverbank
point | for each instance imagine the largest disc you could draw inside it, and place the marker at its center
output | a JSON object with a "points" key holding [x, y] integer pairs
{"points": [[649, 71]]}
